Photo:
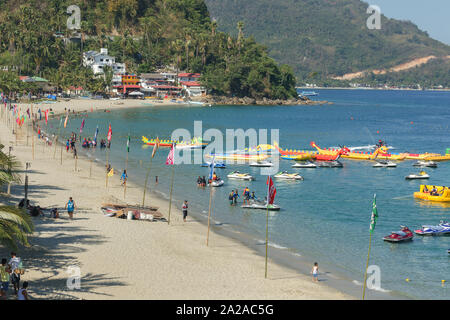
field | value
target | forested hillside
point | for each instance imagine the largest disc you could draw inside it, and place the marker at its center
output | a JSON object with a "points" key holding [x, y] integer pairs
{"points": [[145, 35], [325, 38]]}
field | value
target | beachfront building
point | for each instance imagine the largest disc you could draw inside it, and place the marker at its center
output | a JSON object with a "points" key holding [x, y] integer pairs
{"points": [[98, 60], [193, 88], [130, 83], [188, 77]]}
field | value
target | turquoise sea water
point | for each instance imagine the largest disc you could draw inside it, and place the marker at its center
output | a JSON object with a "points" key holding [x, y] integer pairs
{"points": [[325, 217]]}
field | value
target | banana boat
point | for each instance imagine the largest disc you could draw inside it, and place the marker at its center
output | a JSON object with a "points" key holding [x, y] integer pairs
{"points": [[442, 194]]}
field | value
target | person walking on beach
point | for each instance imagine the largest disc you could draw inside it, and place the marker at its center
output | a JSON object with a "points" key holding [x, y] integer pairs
{"points": [[70, 206], [124, 177], [4, 279], [67, 145], [185, 210], [156, 179], [23, 294], [315, 272], [15, 264]]}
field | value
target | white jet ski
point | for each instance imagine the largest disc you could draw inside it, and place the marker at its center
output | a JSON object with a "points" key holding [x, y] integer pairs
{"points": [[306, 164], [216, 183], [255, 204], [288, 176], [384, 164], [261, 164], [422, 163], [420, 175], [240, 176]]}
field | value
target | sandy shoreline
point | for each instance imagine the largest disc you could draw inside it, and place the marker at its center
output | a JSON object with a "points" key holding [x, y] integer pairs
{"points": [[122, 259]]}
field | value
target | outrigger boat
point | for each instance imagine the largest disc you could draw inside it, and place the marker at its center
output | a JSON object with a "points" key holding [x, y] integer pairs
{"points": [[399, 236], [288, 176], [427, 230], [442, 193], [195, 143], [255, 204], [240, 176], [421, 175]]}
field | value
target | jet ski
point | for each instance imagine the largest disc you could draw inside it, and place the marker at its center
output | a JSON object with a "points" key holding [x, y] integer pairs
{"points": [[219, 165], [288, 176], [399, 236], [216, 183], [329, 164], [423, 163], [240, 176], [421, 175], [261, 163], [256, 204], [307, 164], [384, 164], [428, 230]]}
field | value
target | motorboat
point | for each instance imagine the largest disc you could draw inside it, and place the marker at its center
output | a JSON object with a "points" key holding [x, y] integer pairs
{"points": [[384, 164], [308, 94], [420, 175], [329, 164], [423, 163], [306, 164], [257, 204], [219, 165], [288, 176], [240, 176], [261, 163], [216, 183], [399, 236], [429, 230]]}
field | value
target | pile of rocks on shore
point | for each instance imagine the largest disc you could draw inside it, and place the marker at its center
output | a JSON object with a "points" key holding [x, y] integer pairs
{"points": [[264, 101]]}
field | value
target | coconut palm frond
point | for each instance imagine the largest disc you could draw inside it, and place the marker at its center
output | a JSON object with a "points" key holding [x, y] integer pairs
{"points": [[15, 226]]}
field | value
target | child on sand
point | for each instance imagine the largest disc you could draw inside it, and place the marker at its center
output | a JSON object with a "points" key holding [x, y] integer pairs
{"points": [[315, 272]]}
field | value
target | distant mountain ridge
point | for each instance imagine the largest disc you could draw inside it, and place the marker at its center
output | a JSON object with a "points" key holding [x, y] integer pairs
{"points": [[326, 39]]}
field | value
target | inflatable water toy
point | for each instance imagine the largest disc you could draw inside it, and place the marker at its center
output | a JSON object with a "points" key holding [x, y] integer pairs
{"points": [[216, 183], [261, 164], [288, 176], [240, 176], [299, 157], [306, 164], [421, 175], [427, 230], [195, 143], [442, 193], [425, 163], [239, 156], [399, 236]]}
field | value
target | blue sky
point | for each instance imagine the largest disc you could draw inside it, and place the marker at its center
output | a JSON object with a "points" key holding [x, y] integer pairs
{"points": [[432, 16]]}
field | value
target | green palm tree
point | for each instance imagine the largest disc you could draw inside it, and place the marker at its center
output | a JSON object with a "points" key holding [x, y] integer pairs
{"points": [[15, 226]]}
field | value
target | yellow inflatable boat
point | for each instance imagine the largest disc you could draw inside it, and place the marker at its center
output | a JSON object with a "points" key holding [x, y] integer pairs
{"points": [[443, 193]]}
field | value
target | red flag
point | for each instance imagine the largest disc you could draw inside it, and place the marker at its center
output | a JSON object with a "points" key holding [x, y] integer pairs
{"points": [[271, 191], [170, 157], [109, 133], [46, 116]]}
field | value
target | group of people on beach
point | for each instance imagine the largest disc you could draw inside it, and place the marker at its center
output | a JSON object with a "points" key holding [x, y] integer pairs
{"points": [[247, 196], [10, 272]]}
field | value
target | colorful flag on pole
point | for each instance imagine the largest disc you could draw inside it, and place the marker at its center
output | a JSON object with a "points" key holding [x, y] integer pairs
{"points": [[95, 135], [82, 126], [128, 143], [65, 121], [211, 171], [155, 147], [46, 116], [170, 157], [111, 172], [271, 191], [374, 218], [109, 133]]}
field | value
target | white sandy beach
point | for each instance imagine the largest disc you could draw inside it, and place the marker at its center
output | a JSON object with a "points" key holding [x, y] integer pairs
{"points": [[121, 259]]}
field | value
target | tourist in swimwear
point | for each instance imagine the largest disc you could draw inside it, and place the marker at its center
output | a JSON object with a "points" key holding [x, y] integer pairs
{"points": [[70, 206], [124, 177]]}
